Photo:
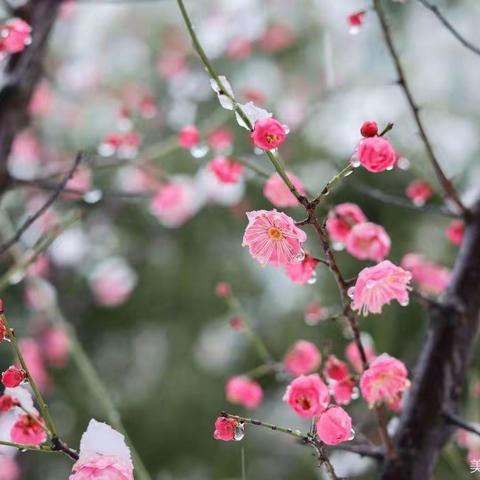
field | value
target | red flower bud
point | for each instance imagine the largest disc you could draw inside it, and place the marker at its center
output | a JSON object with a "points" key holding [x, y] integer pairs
{"points": [[7, 402], [369, 129], [13, 377]]}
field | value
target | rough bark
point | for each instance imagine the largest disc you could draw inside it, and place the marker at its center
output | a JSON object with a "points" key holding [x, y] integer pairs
{"points": [[21, 74], [442, 367]]}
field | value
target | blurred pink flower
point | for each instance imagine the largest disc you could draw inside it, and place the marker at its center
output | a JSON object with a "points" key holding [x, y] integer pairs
{"points": [[55, 346], [378, 286], [124, 145], [335, 369], [226, 170], [368, 241], [9, 469], [223, 290], [101, 467], [27, 431], [220, 139], [304, 271], [419, 192], [376, 154], [344, 390], [33, 355], [341, 219], [302, 358], [14, 36], [429, 276], [239, 48], [42, 100], [272, 237], [334, 426], [384, 380], [455, 231], [277, 37], [244, 391], [268, 134], [314, 313], [225, 429], [189, 137], [279, 194], [354, 357], [307, 395], [12, 377]]}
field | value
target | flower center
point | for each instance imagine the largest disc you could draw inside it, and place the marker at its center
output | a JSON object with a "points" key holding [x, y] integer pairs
{"points": [[304, 402], [272, 138], [274, 233]]}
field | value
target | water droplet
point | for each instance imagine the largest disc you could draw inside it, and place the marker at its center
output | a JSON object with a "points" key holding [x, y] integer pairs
{"points": [[239, 432], [199, 150], [297, 432], [354, 161], [301, 256], [93, 196], [338, 246], [17, 277], [313, 279], [353, 30], [352, 435], [404, 302], [403, 163], [370, 284], [348, 173], [286, 128], [351, 292], [355, 393], [23, 450], [389, 168], [106, 150]]}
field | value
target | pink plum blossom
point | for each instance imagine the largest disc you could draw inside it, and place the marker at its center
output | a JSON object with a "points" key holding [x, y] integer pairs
{"points": [[384, 381], [378, 286], [12, 377], [344, 391], [9, 469], [455, 231], [124, 145], [368, 241], [369, 129], [302, 358], [27, 431], [419, 192], [220, 139], [335, 369], [33, 355], [334, 426], [307, 395], [226, 170], [341, 383], [314, 313], [7, 403], [14, 36], [272, 237], [279, 194], [302, 272], [268, 134], [376, 154], [225, 429], [189, 137], [55, 346], [341, 219], [104, 455], [355, 21], [244, 391], [277, 37], [429, 276], [223, 290]]}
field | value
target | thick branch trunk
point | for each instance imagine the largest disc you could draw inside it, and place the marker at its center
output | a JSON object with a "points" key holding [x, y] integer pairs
{"points": [[442, 367], [20, 77]]}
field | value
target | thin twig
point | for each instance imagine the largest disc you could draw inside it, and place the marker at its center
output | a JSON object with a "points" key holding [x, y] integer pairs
{"points": [[456, 420], [436, 11], [49, 202], [445, 183]]}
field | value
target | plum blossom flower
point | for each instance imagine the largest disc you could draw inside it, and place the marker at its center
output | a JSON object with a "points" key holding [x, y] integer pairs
{"points": [[104, 455], [341, 383], [9, 469], [176, 202], [314, 313], [223, 290], [353, 354], [268, 134], [341, 219], [253, 114], [55, 346], [226, 170], [244, 391], [13, 377], [369, 129], [429, 276], [384, 381], [378, 286], [334, 426], [419, 191], [124, 145], [279, 194], [28, 431], [344, 391], [189, 137], [304, 271], [376, 154], [455, 232], [368, 241], [220, 139], [15, 35], [272, 237], [302, 358], [225, 429], [277, 37], [307, 395]]}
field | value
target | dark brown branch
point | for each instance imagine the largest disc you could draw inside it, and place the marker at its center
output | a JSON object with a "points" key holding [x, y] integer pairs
{"points": [[446, 184], [59, 445], [435, 10], [457, 421], [48, 203], [20, 77], [442, 367], [366, 450]]}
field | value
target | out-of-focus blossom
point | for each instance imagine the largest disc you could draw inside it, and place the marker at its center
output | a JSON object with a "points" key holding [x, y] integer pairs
{"points": [[429, 276], [344, 390], [220, 139], [135, 180], [124, 145], [24, 159], [171, 64], [40, 267], [42, 100], [112, 281], [7, 403], [223, 290], [314, 313], [12, 377], [253, 113], [239, 48], [341, 383], [302, 358], [27, 431], [307, 395], [81, 181], [103, 455], [375, 154], [272, 237], [9, 469], [176, 202], [277, 37], [226, 170], [33, 356], [455, 231], [353, 354], [369, 129], [419, 191], [303, 271], [368, 241], [225, 429], [341, 219], [385, 379], [244, 391], [189, 137], [279, 194], [15, 35], [55, 346], [335, 369], [210, 189], [268, 134], [378, 286], [334, 426], [355, 21]]}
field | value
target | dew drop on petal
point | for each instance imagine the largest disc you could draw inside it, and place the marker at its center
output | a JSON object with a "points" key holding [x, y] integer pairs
{"points": [[348, 173], [353, 30], [355, 393], [404, 302], [300, 256], [352, 435], [389, 168], [313, 279], [199, 150], [338, 246], [17, 277], [403, 163], [370, 284], [354, 161], [93, 196]]}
